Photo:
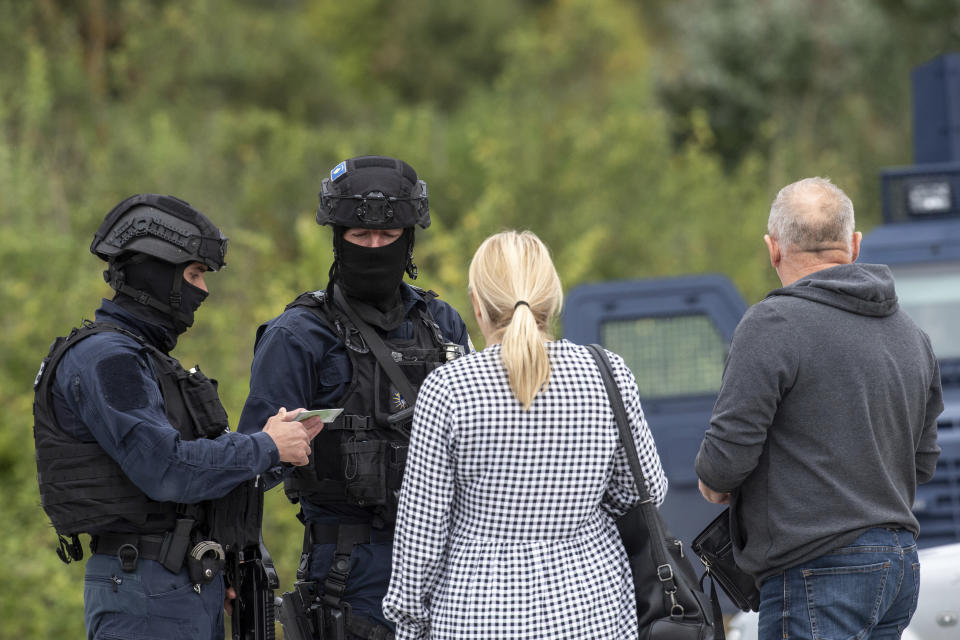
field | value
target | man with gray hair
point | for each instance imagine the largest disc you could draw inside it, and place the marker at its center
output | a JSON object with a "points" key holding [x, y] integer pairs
{"points": [[824, 425]]}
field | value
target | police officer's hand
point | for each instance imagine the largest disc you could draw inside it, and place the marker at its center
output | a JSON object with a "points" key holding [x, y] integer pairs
{"points": [[228, 597], [292, 438]]}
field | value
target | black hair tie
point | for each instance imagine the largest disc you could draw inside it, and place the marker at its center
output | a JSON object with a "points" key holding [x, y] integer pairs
{"points": [[520, 302]]}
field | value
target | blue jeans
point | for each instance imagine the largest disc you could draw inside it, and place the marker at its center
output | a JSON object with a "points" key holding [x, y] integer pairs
{"points": [[865, 590], [149, 603]]}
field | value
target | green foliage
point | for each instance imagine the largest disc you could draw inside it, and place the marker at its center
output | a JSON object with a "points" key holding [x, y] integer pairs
{"points": [[811, 86], [637, 141]]}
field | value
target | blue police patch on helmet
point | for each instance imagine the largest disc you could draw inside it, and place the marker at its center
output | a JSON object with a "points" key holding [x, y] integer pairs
{"points": [[338, 170]]}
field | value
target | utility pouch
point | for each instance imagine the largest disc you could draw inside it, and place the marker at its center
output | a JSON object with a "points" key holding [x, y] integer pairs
{"points": [[234, 520], [364, 470], [175, 545], [396, 463], [203, 403]]}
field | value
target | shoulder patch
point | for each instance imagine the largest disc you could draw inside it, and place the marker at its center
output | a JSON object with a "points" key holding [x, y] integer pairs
{"points": [[121, 378]]}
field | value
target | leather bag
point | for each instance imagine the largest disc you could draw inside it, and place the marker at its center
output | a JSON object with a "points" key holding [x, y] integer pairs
{"points": [[714, 547], [670, 604]]}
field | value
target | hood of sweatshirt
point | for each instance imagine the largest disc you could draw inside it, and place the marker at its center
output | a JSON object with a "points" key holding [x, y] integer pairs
{"points": [[864, 289]]}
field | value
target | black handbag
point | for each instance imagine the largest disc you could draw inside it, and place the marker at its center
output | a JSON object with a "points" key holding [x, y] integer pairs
{"points": [[714, 547], [670, 604]]}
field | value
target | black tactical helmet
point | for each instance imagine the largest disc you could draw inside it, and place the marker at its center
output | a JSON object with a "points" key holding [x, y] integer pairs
{"points": [[149, 227], [373, 192], [160, 226]]}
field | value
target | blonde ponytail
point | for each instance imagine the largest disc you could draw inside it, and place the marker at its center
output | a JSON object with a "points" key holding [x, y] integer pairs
{"points": [[518, 294]]}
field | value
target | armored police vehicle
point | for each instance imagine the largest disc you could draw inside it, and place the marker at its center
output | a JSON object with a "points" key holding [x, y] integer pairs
{"points": [[674, 333]]}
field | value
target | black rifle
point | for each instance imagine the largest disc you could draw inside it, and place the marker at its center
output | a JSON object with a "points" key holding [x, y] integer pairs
{"points": [[252, 575]]}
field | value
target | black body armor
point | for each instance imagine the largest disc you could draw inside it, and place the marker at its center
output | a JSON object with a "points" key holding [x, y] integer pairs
{"points": [[83, 490], [359, 458]]}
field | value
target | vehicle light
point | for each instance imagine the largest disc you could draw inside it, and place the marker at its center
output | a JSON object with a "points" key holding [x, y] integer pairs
{"points": [[927, 197]]}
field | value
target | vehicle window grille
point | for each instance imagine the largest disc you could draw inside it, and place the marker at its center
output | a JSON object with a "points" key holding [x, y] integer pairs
{"points": [[670, 356]]}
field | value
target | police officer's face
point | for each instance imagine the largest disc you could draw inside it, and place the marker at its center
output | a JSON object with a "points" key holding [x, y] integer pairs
{"points": [[194, 274], [372, 238]]}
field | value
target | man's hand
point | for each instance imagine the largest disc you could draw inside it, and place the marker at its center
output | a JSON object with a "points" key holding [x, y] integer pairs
{"points": [[292, 438], [228, 597], [714, 496]]}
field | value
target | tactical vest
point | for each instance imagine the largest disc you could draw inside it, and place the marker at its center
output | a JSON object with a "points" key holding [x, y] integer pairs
{"points": [[82, 489], [359, 458]]}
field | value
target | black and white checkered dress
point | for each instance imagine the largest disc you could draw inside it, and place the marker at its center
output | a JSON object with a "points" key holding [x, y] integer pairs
{"points": [[505, 527]]}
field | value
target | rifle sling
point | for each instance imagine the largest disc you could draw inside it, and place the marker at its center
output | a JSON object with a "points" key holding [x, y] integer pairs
{"points": [[378, 349]]}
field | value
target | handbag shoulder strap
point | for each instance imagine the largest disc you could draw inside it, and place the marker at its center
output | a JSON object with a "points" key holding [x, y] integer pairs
{"points": [[620, 414], [378, 348], [656, 531], [651, 517]]}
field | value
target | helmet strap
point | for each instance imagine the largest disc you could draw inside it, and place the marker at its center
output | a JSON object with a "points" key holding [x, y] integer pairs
{"points": [[175, 297], [338, 231], [411, 268]]}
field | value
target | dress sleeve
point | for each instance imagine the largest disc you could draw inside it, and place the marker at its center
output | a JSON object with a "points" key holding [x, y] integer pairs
{"points": [[621, 493], [423, 518]]}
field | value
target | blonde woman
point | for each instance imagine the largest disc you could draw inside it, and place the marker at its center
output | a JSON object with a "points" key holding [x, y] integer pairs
{"points": [[515, 475]]}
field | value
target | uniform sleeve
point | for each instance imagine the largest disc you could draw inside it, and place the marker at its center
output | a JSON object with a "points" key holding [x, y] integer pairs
{"points": [[110, 386], [621, 493], [292, 367], [423, 519], [281, 375], [451, 324], [928, 451], [759, 370]]}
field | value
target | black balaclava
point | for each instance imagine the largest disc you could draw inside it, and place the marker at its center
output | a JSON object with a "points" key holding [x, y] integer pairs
{"points": [[372, 275], [158, 279]]}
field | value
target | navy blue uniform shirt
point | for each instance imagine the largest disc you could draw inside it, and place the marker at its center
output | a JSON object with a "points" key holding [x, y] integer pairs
{"points": [[106, 391], [300, 362]]}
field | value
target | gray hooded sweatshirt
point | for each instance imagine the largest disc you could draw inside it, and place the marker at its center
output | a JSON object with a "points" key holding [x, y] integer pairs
{"points": [[826, 418]]}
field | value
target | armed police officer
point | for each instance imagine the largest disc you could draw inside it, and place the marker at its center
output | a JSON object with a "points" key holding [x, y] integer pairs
{"points": [[136, 451], [364, 344]]}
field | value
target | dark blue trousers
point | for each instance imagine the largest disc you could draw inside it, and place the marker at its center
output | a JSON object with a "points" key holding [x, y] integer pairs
{"points": [[149, 603]]}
